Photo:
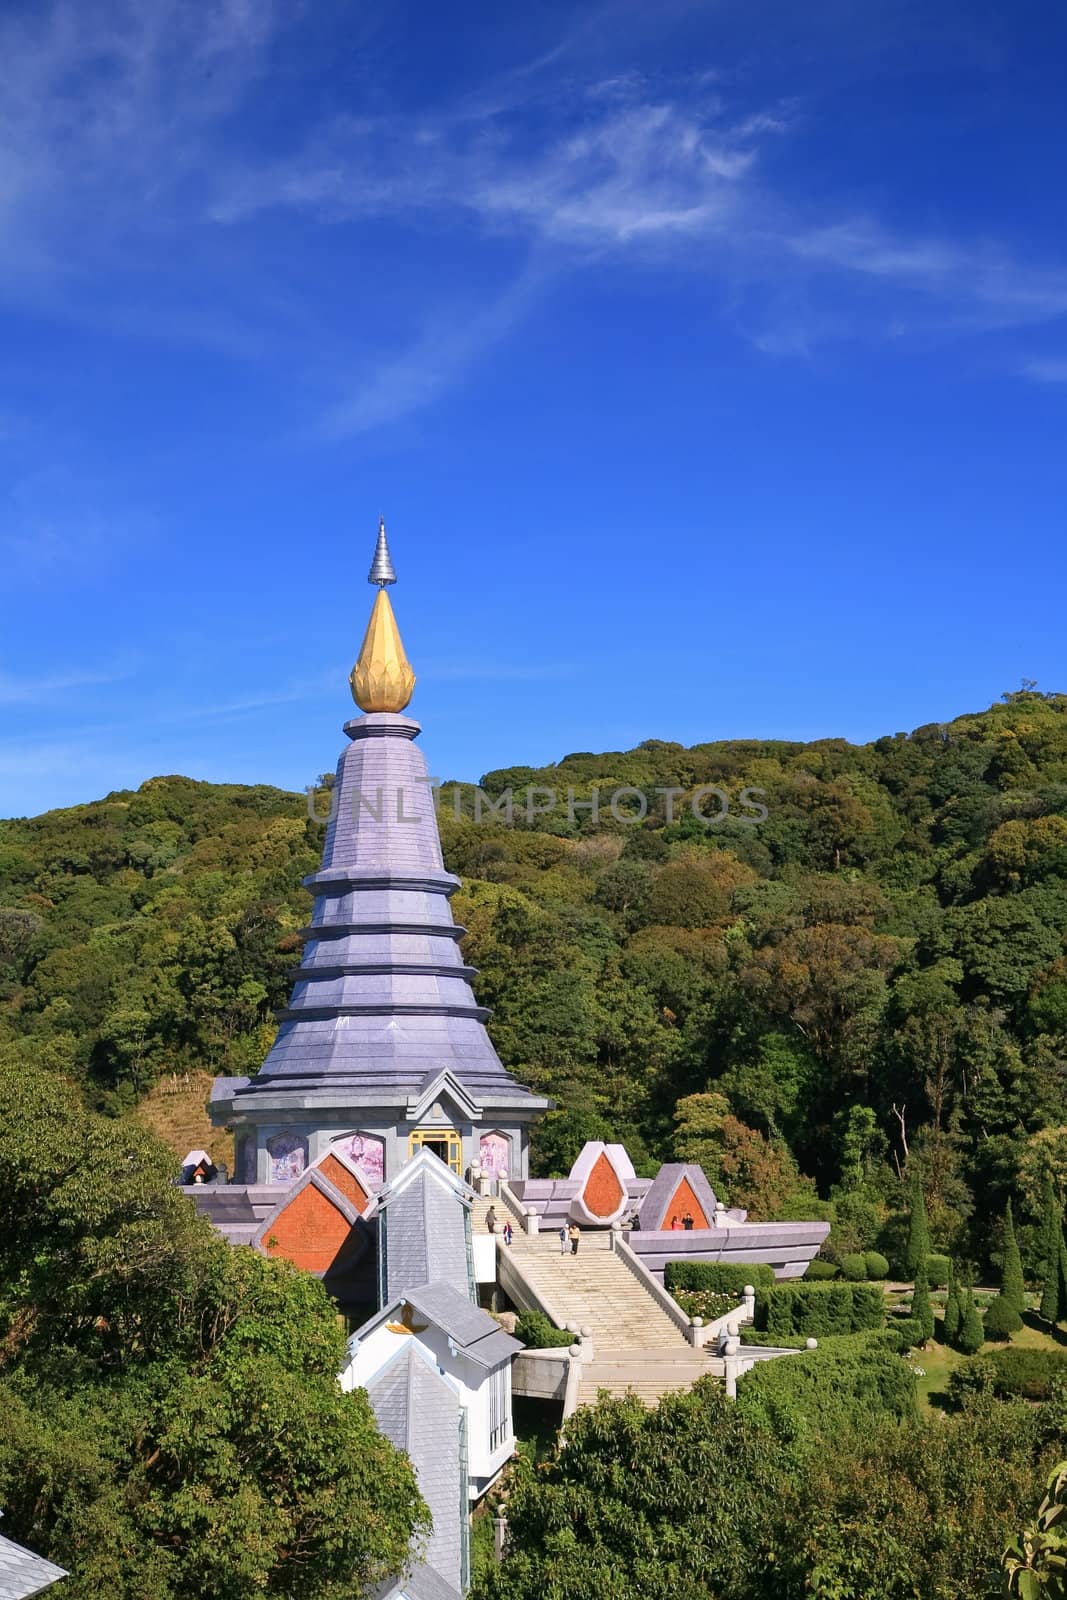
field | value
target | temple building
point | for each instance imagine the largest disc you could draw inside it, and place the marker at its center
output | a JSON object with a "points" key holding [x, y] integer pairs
{"points": [[383, 1049]]}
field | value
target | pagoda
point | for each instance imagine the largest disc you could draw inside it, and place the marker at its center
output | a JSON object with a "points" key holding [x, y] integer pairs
{"points": [[383, 1048]]}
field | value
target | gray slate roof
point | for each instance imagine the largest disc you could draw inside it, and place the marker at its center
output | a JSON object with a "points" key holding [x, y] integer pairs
{"points": [[423, 1222], [473, 1331], [23, 1574], [382, 999], [420, 1412]]}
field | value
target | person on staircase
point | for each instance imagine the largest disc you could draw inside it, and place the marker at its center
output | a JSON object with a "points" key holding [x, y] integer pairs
{"points": [[563, 1240], [574, 1234], [491, 1219]]}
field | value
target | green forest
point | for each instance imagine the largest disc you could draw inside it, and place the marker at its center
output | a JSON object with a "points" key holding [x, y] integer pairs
{"points": [[864, 989]]}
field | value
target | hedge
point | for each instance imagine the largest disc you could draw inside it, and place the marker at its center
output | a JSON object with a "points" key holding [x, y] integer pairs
{"points": [[877, 1265], [854, 1267], [720, 1277], [820, 1309], [537, 1333], [821, 1271], [819, 1392]]}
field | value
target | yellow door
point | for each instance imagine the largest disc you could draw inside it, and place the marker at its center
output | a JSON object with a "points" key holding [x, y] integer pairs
{"points": [[444, 1142]]}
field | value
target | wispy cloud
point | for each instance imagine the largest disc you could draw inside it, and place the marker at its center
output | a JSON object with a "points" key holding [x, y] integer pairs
{"points": [[1047, 369], [121, 126], [19, 689]]}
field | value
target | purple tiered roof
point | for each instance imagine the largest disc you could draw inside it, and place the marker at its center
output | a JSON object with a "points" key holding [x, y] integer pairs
{"points": [[382, 1001]]}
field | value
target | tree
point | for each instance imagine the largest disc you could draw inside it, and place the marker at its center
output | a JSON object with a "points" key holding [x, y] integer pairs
{"points": [[1054, 1291], [918, 1247], [1051, 1229], [1001, 1318], [951, 1326], [1035, 1563], [921, 1309], [681, 1500], [971, 1335], [170, 1418], [1012, 1287]]}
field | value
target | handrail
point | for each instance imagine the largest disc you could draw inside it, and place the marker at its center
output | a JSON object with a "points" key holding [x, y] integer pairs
{"points": [[509, 1198]]}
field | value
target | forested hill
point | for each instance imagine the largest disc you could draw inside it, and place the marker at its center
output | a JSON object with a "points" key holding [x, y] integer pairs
{"points": [[872, 975]]}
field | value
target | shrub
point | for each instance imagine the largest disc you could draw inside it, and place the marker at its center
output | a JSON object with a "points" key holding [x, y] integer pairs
{"points": [[937, 1270], [821, 1271], [823, 1391], [792, 1342], [903, 1334], [922, 1311], [854, 1268], [818, 1310], [973, 1377], [951, 1325], [1001, 1319], [971, 1337], [877, 1266], [720, 1277], [1025, 1374], [535, 1330]]}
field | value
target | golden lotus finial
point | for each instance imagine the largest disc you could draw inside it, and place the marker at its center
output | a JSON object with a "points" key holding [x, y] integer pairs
{"points": [[382, 679]]}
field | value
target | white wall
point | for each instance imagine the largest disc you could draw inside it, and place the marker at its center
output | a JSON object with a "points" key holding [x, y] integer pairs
{"points": [[470, 1381]]}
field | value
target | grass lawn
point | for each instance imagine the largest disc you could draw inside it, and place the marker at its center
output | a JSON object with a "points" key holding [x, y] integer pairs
{"points": [[938, 1360]]}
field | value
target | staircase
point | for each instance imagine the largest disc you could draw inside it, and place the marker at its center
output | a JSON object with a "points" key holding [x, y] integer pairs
{"points": [[636, 1347]]}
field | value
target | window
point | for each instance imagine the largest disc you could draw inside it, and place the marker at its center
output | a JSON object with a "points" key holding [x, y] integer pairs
{"points": [[499, 1405]]}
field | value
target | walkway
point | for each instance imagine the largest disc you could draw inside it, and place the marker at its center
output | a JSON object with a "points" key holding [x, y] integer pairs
{"points": [[636, 1346]]}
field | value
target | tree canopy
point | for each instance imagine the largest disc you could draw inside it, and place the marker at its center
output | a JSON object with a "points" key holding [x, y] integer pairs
{"points": [[170, 1417]]}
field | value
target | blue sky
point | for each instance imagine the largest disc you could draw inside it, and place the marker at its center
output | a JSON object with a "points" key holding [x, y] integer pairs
{"points": [[708, 361]]}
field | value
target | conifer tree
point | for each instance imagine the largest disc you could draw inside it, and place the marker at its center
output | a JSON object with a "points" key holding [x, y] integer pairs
{"points": [[1054, 1291], [918, 1232], [1012, 1286], [951, 1326], [922, 1312], [1051, 1230], [972, 1336]]}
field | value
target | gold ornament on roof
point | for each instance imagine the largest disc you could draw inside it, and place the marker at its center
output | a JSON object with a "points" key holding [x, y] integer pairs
{"points": [[382, 679]]}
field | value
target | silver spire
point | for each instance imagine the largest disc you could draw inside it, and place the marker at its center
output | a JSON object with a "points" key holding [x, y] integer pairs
{"points": [[382, 570]]}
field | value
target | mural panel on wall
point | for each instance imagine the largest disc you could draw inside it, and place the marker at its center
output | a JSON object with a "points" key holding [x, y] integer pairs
{"points": [[368, 1152], [288, 1157], [493, 1152]]}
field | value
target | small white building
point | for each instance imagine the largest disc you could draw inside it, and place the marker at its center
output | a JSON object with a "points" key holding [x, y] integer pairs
{"points": [[468, 1348]]}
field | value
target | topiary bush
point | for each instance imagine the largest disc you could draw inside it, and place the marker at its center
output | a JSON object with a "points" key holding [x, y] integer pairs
{"points": [[971, 1337], [819, 1310], [1001, 1318], [720, 1277], [854, 1268], [937, 1268], [821, 1271], [535, 1331], [903, 1334], [877, 1266]]}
